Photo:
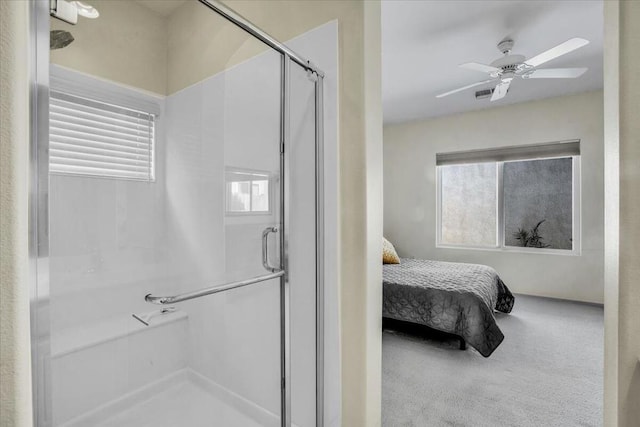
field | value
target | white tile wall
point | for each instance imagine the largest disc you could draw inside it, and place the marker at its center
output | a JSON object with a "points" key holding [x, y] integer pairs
{"points": [[114, 241], [86, 379], [229, 120]]}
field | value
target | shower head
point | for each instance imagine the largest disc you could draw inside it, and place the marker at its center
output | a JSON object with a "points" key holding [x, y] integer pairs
{"points": [[68, 11], [59, 39], [86, 10]]}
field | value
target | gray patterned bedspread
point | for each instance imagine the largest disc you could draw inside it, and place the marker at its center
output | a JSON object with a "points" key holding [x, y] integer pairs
{"points": [[448, 296]]}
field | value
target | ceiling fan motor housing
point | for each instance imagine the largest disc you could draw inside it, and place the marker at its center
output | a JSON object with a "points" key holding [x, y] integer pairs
{"points": [[508, 64]]}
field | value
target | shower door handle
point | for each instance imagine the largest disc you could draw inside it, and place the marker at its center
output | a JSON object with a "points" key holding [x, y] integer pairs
{"points": [[265, 248]]}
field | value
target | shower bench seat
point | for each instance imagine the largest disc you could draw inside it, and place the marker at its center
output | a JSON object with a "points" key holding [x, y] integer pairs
{"points": [[116, 356], [70, 340]]}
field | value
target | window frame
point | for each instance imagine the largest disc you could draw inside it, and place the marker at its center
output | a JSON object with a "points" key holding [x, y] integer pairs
{"points": [[270, 192], [500, 212]]}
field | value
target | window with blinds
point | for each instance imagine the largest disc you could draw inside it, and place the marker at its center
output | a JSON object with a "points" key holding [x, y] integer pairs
{"points": [[524, 198], [92, 138]]}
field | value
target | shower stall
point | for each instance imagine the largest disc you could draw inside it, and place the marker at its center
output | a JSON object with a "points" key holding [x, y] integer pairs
{"points": [[178, 219]]}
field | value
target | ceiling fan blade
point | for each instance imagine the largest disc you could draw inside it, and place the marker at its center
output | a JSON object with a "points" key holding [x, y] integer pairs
{"points": [[562, 49], [556, 73], [460, 89], [475, 66], [501, 89]]}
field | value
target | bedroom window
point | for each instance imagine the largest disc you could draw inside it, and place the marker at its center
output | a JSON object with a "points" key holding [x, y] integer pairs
{"points": [[469, 204], [92, 138], [516, 198]]}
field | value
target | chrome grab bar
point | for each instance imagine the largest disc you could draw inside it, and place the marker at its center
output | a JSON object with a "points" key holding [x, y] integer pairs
{"points": [[265, 248], [211, 290]]}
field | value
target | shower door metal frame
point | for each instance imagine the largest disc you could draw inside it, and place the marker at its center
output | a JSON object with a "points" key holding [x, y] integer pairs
{"points": [[320, 247], [285, 294], [289, 57], [39, 211]]}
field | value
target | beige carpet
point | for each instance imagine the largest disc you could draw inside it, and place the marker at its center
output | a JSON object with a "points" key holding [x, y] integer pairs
{"points": [[546, 373]]}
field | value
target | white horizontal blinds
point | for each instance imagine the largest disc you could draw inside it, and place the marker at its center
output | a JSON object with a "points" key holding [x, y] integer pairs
{"points": [[522, 152], [88, 137]]}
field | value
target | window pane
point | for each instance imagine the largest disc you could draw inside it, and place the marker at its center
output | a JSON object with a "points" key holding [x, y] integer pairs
{"points": [[247, 191], [468, 204], [260, 196], [539, 192], [238, 196]]}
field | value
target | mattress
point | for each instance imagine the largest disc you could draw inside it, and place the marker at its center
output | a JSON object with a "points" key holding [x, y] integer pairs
{"points": [[452, 297]]}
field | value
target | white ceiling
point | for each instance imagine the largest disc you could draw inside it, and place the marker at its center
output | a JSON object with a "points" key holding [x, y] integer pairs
{"points": [[423, 42]]}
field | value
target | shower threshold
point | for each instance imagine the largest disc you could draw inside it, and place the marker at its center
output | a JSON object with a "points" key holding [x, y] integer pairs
{"points": [[184, 398]]}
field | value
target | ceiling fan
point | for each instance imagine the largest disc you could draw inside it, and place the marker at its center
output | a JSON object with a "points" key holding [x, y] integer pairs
{"points": [[511, 66]]}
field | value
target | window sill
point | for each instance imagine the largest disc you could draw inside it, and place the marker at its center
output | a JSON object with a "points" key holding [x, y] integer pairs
{"points": [[248, 213], [533, 251]]}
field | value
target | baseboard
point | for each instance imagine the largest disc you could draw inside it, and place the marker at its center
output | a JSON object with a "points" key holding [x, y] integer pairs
{"points": [[261, 415], [142, 394], [258, 413], [595, 304]]}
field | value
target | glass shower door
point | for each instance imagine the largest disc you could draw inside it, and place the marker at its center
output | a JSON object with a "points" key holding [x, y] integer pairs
{"points": [[224, 213], [200, 125]]}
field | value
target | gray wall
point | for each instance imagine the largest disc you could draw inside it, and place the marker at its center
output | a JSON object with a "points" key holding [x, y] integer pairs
{"points": [[535, 191]]}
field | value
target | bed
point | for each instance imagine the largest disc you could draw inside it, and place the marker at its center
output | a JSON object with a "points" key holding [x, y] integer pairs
{"points": [[450, 297]]}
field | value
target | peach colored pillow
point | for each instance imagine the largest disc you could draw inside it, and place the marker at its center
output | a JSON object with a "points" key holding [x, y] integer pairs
{"points": [[389, 254]]}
